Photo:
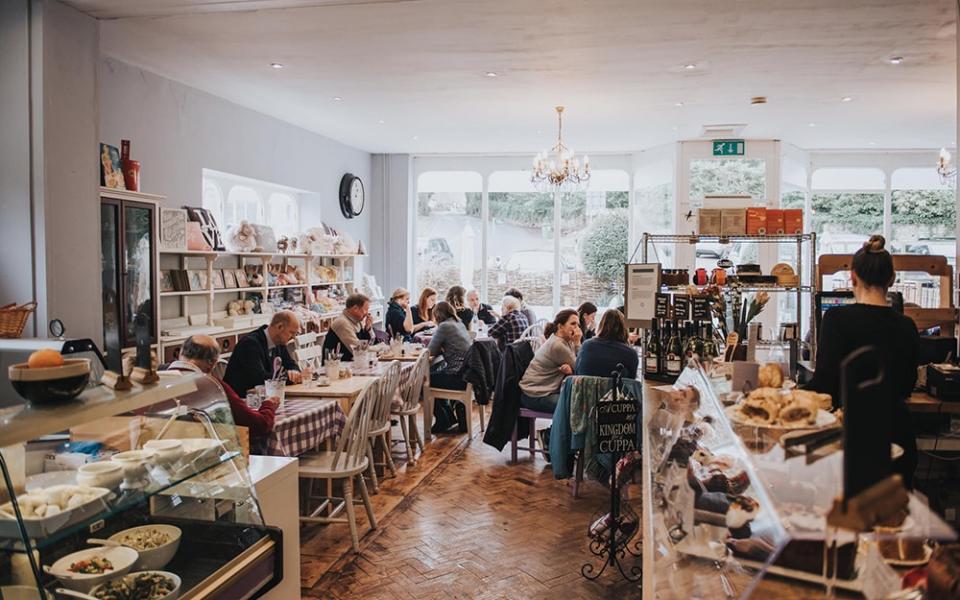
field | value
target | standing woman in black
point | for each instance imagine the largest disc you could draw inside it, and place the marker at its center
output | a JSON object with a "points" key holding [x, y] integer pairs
{"points": [[871, 322]]}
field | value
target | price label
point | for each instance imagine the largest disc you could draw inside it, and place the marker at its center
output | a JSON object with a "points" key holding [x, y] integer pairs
{"points": [[681, 307], [702, 308], [661, 309]]}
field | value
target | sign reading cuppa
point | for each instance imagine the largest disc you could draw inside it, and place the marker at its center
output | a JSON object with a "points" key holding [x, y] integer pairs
{"points": [[616, 426]]}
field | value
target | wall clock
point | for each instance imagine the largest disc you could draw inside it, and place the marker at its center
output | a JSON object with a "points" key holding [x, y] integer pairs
{"points": [[352, 196]]}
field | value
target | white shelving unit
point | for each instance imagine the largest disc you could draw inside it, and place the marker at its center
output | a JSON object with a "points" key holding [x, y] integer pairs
{"points": [[183, 313]]}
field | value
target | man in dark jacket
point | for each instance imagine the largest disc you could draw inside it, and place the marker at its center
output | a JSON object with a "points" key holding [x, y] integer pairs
{"points": [[252, 360]]}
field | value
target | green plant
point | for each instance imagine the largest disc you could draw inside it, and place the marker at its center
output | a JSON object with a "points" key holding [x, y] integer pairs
{"points": [[604, 247]]}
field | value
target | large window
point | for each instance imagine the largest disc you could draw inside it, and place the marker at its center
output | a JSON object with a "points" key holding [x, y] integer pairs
{"points": [[243, 204], [448, 250], [727, 177], [653, 208], [521, 246]]}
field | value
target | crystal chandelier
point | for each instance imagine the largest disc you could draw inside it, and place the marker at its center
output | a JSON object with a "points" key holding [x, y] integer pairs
{"points": [[560, 169], [944, 168]]}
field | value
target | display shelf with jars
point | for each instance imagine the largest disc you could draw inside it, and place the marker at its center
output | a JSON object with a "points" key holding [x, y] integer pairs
{"points": [[142, 488]]}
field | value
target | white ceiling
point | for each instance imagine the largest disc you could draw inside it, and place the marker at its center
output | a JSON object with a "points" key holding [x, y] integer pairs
{"points": [[617, 65]]}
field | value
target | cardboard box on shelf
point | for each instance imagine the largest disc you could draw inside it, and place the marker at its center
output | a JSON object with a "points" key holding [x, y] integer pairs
{"points": [[757, 220], [709, 221], [775, 221], [793, 221], [733, 221]]}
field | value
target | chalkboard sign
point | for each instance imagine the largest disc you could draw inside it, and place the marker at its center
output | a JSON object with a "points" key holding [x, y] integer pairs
{"points": [[661, 308], [616, 426], [702, 308], [681, 307]]}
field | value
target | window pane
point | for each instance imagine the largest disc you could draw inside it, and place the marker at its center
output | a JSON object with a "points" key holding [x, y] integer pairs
{"points": [[923, 222], [727, 177], [448, 232], [593, 245], [847, 179], [243, 203], [653, 208], [284, 215], [213, 200], [520, 243], [843, 222]]}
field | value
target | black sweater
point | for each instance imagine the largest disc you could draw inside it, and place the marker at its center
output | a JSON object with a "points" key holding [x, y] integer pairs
{"points": [[251, 363], [599, 357]]}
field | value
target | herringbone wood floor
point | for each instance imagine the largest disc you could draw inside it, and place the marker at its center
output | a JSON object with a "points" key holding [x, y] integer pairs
{"points": [[466, 524]]}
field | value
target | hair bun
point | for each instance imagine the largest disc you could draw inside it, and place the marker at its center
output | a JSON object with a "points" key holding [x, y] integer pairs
{"points": [[875, 244]]}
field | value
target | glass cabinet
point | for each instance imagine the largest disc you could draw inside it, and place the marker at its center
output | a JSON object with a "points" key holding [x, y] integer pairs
{"points": [[128, 267], [138, 489]]}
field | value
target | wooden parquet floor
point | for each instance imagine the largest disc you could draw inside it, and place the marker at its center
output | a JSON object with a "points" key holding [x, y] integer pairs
{"points": [[473, 527]]}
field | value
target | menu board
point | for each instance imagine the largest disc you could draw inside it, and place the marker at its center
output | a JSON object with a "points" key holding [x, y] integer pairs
{"points": [[662, 306], [702, 308], [642, 283], [681, 307]]}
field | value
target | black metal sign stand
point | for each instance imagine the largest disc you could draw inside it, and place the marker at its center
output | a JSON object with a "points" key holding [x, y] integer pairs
{"points": [[616, 547]]}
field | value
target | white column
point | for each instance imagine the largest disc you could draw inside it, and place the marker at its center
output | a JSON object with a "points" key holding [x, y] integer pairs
{"points": [[887, 204], [484, 230], [556, 249]]}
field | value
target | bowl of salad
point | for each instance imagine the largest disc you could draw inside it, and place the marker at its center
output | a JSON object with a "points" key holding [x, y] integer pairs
{"points": [[85, 569], [141, 585], [157, 544]]}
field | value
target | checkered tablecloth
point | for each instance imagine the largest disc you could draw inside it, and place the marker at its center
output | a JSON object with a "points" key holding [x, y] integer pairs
{"points": [[303, 424]]}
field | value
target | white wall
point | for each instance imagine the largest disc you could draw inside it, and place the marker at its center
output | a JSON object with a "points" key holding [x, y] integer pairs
{"points": [[65, 47], [176, 131], [16, 273]]}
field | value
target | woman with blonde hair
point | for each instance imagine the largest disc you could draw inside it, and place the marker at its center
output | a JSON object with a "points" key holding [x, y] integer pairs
{"points": [[423, 311], [399, 317]]}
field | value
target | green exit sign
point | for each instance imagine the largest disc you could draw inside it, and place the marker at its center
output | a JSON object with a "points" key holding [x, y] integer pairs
{"points": [[728, 147]]}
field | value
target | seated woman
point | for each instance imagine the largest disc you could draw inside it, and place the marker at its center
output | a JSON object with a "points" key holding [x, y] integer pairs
{"points": [[588, 319], [451, 342], [554, 360], [399, 317], [600, 355], [511, 326], [456, 297], [423, 311]]}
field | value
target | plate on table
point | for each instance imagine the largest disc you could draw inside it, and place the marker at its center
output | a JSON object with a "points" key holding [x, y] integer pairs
{"points": [[824, 420]]}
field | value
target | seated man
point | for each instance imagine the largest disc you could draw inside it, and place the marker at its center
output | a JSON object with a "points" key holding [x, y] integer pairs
{"points": [[199, 354], [483, 311], [252, 360], [353, 324]]}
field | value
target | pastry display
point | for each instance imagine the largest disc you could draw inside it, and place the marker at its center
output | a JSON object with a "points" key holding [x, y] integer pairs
{"points": [[799, 411], [720, 474], [770, 376], [52, 501], [788, 409], [742, 510]]}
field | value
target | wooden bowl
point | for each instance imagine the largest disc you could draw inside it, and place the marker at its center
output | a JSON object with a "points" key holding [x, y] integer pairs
{"points": [[51, 385]]}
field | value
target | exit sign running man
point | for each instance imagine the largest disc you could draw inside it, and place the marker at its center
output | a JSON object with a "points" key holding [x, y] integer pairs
{"points": [[728, 147]]}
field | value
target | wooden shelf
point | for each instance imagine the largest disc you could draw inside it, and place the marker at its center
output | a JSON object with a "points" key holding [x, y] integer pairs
{"points": [[22, 423], [330, 283], [191, 293], [218, 254], [287, 287], [106, 192]]}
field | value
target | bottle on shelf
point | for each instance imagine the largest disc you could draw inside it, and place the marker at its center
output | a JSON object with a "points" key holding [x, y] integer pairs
{"points": [[663, 341], [710, 350], [692, 342], [651, 356], [674, 354]]}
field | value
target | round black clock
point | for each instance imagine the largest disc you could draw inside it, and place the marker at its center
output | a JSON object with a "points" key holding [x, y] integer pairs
{"points": [[352, 196]]}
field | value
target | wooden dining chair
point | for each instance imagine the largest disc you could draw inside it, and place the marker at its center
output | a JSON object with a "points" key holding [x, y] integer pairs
{"points": [[347, 463], [432, 394], [407, 411], [380, 423]]}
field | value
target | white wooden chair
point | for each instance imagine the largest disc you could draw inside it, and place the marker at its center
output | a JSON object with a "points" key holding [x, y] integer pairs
{"points": [[432, 394], [380, 423], [346, 463], [407, 412]]}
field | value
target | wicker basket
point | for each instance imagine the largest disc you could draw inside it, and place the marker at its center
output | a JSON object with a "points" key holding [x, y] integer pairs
{"points": [[13, 318]]}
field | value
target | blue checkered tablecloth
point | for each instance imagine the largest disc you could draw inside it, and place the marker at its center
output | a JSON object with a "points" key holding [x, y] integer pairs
{"points": [[303, 424]]}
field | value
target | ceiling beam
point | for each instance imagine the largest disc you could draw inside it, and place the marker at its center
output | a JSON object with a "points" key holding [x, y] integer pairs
{"points": [[107, 9]]}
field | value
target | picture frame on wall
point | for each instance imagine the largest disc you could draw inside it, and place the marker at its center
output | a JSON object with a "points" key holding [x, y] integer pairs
{"points": [[229, 279], [167, 281], [197, 280], [241, 277], [173, 230], [218, 283]]}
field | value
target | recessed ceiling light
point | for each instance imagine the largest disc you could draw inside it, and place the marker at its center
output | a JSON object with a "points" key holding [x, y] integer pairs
{"points": [[337, 98], [491, 74], [871, 143], [415, 138], [380, 121], [675, 128], [896, 60], [276, 65], [846, 99], [690, 66], [811, 124], [678, 103]]}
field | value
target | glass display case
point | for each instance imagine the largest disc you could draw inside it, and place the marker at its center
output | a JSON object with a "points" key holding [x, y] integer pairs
{"points": [[703, 474], [142, 494]]}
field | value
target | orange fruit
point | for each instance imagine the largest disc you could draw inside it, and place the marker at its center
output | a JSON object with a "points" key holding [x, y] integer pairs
{"points": [[45, 358]]}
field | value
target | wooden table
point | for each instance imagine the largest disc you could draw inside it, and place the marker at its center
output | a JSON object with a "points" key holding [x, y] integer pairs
{"points": [[922, 402], [345, 391]]}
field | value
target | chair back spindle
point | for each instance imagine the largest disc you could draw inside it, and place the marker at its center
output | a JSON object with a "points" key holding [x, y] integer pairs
{"points": [[352, 444]]}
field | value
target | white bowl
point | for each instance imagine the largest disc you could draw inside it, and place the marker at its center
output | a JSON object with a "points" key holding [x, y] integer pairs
{"points": [[152, 559], [173, 595], [168, 451], [103, 474], [121, 557]]}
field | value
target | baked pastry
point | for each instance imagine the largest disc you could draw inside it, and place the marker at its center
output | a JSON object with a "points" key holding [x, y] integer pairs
{"points": [[823, 401], [799, 412], [722, 476], [770, 376], [760, 409], [682, 450], [943, 573], [742, 510]]}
